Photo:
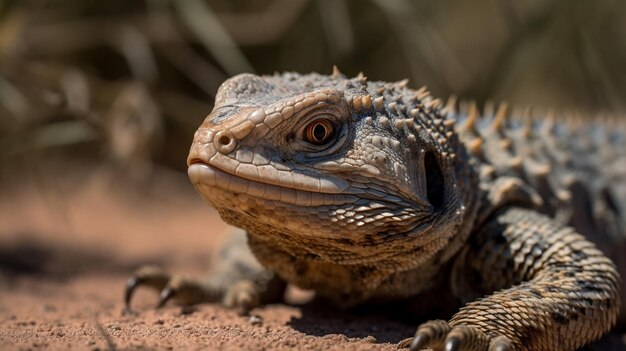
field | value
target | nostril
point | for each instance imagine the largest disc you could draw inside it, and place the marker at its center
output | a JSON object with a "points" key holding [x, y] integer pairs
{"points": [[224, 140]]}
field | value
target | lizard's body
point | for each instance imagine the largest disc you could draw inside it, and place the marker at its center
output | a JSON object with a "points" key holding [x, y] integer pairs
{"points": [[371, 191]]}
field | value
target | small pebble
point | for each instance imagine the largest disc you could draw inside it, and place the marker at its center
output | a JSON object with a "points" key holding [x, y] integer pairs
{"points": [[255, 320]]}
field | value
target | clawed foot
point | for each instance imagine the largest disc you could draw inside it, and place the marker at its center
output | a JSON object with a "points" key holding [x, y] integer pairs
{"points": [[241, 296], [439, 335], [150, 276]]}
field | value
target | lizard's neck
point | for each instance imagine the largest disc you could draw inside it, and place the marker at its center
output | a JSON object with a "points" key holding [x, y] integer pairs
{"points": [[406, 273], [347, 285]]}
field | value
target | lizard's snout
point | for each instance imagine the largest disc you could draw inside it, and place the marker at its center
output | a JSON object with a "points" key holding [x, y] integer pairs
{"points": [[221, 138]]}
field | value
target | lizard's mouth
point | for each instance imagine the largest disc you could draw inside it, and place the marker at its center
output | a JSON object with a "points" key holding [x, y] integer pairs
{"points": [[206, 178], [230, 194]]}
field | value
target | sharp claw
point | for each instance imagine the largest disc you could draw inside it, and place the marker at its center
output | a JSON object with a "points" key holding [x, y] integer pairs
{"points": [[419, 341], [502, 347], [501, 343], [166, 295], [131, 284], [404, 343], [453, 344]]}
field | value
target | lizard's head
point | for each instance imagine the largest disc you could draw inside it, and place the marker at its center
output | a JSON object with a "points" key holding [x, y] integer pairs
{"points": [[333, 169]]}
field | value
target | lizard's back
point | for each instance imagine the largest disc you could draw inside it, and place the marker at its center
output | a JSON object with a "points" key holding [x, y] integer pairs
{"points": [[575, 168]]}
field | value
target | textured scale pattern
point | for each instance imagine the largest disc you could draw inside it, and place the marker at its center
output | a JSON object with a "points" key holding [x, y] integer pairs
{"points": [[485, 224], [549, 280]]}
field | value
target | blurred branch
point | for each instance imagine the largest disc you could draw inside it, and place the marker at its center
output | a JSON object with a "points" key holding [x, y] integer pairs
{"points": [[421, 45], [63, 37], [205, 25], [485, 85], [12, 99], [184, 110], [337, 26], [138, 53], [47, 136], [76, 91], [196, 68], [264, 27], [599, 79]]}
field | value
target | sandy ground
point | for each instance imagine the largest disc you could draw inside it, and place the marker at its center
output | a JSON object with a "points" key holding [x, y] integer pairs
{"points": [[68, 244]]}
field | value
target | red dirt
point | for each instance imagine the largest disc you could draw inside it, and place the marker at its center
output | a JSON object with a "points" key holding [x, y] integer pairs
{"points": [[68, 243]]}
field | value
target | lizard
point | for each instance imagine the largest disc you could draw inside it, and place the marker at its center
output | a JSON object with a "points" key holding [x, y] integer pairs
{"points": [[368, 191]]}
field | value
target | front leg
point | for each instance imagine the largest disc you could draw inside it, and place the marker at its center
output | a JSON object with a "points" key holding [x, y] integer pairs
{"points": [[237, 280], [554, 290]]}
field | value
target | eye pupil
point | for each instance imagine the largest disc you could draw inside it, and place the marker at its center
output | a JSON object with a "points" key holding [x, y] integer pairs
{"points": [[319, 131]]}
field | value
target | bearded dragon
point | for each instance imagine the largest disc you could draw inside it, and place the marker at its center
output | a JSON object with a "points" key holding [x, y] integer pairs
{"points": [[370, 191]]}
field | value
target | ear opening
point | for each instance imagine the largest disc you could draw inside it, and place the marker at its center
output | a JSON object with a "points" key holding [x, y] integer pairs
{"points": [[434, 180]]}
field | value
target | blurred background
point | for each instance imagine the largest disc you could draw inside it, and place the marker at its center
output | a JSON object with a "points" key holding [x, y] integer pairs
{"points": [[99, 101], [127, 82]]}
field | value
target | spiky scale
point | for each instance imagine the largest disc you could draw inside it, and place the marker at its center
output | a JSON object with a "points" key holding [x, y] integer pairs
{"points": [[472, 118], [336, 73], [499, 119], [379, 103]]}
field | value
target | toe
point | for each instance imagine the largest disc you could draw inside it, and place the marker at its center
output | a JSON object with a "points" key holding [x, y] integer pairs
{"points": [[242, 296]]}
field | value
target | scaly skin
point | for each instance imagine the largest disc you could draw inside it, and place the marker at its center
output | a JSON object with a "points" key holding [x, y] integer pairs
{"points": [[370, 191]]}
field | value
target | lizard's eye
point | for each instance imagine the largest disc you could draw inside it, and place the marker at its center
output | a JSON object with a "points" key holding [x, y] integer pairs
{"points": [[319, 132]]}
